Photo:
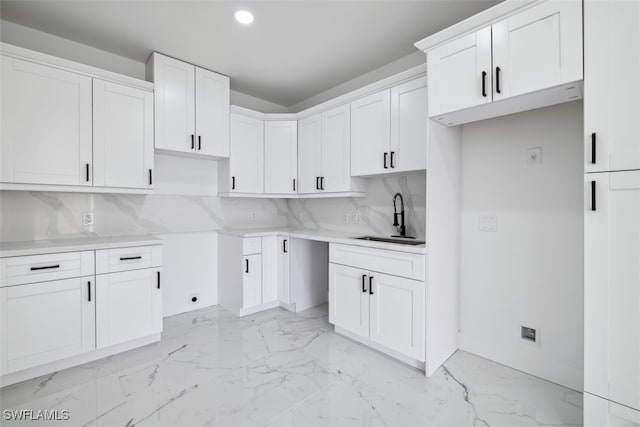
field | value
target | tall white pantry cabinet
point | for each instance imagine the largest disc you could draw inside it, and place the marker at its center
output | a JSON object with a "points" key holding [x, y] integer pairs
{"points": [[612, 213]]}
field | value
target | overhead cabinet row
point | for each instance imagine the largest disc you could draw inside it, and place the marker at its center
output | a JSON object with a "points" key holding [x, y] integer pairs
{"points": [[68, 129], [529, 53]]}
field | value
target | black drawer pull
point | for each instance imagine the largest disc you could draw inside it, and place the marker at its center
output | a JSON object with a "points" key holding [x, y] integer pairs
{"points": [[391, 162], [294, 184], [158, 280], [129, 258], [364, 286], [370, 285], [498, 79], [284, 246], [484, 84], [199, 142], [317, 182], [322, 183], [87, 171], [593, 148], [89, 290], [46, 267], [233, 182], [384, 160], [593, 195], [246, 270], [193, 142]]}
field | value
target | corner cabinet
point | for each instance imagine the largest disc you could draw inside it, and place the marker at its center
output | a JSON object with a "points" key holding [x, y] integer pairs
{"points": [[65, 129], [192, 107], [536, 52], [324, 153], [389, 130], [370, 300]]}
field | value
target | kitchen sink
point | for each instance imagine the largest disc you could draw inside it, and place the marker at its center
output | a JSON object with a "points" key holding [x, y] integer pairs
{"points": [[398, 240]]}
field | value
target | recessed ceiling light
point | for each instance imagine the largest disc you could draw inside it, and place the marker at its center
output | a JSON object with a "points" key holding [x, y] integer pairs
{"points": [[244, 17]]}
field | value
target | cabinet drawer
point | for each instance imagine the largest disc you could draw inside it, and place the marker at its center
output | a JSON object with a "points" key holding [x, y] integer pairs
{"points": [[41, 268], [403, 264], [124, 259], [251, 245]]}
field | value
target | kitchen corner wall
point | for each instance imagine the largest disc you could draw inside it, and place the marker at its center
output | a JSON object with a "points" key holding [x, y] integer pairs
{"points": [[375, 211]]}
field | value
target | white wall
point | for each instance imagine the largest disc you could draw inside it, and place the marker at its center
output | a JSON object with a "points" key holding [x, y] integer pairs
{"points": [[529, 272]]}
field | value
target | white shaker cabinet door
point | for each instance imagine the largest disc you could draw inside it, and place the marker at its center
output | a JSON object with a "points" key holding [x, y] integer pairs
{"points": [[408, 150], [397, 314], [459, 73], [122, 136], [212, 113], [599, 412], [612, 290], [538, 48], [309, 154], [280, 157], [246, 163], [44, 322], [284, 289], [370, 134], [174, 83], [336, 150], [349, 299], [129, 306], [611, 85], [252, 281], [46, 125]]}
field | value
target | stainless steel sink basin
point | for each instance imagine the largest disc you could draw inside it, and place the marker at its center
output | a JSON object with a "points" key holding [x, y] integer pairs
{"points": [[399, 240]]}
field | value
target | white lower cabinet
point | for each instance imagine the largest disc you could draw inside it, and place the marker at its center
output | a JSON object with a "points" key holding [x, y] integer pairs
{"points": [[283, 275], [383, 309], [47, 321], [600, 412], [129, 306], [252, 281]]}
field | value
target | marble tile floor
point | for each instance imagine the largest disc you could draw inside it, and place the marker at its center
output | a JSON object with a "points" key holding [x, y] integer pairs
{"points": [[282, 369]]}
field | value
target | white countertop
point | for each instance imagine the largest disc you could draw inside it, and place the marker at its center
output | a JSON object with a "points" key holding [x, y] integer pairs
{"points": [[39, 247], [326, 236]]}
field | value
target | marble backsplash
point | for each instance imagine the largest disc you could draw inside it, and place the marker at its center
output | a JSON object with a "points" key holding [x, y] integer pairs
{"points": [[187, 208]]}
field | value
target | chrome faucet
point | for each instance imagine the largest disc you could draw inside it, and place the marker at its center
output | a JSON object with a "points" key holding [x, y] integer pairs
{"points": [[401, 228]]}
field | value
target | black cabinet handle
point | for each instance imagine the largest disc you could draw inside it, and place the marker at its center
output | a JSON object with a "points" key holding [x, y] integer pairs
{"points": [[246, 270], [46, 267], [284, 246], [498, 79], [384, 161], [87, 171], [364, 286], [391, 162], [484, 84], [322, 183], [593, 195], [370, 285], [89, 290], [294, 184], [233, 182], [199, 142], [158, 280], [129, 258], [150, 177], [193, 141], [317, 182], [593, 148]]}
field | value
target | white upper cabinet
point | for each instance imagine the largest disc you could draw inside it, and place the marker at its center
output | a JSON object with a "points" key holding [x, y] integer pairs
{"points": [[122, 136], [246, 163], [408, 150], [536, 51], [611, 85], [309, 154], [538, 48], [336, 150], [280, 157], [459, 73], [212, 113], [389, 130], [192, 107], [612, 294], [371, 134], [46, 125]]}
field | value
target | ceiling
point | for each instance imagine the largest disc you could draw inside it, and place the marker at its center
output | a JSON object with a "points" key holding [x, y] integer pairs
{"points": [[293, 50]]}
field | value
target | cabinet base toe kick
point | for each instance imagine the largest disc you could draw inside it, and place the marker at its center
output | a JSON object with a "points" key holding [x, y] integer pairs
{"points": [[50, 368]]}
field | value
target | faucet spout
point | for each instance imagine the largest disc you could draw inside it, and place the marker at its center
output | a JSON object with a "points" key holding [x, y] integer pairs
{"points": [[400, 226]]}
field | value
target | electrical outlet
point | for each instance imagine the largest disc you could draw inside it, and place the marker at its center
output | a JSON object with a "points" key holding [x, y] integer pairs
{"points": [[487, 222], [253, 216], [88, 219], [530, 335], [355, 217], [193, 298], [345, 217], [534, 156]]}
